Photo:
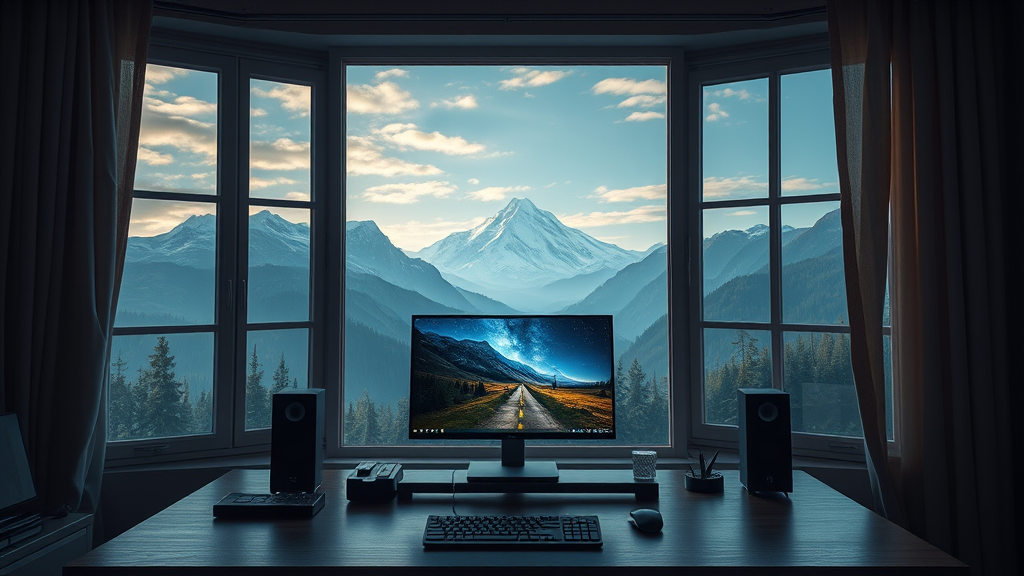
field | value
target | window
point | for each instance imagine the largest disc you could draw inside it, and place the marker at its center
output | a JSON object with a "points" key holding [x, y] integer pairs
{"points": [[772, 304], [218, 301], [293, 210], [511, 188]]}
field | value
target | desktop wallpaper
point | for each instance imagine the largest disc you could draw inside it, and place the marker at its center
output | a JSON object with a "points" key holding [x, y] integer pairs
{"points": [[523, 374]]}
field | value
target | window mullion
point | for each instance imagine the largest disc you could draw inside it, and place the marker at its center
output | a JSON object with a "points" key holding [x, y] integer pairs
{"points": [[775, 225]]}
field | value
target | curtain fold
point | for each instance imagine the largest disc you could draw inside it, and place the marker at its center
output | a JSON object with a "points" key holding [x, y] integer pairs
{"points": [[920, 99], [62, 183]]}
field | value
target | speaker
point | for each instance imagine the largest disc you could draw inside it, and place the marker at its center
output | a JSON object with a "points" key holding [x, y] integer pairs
{"points": [[766, 446], [296, 440]]}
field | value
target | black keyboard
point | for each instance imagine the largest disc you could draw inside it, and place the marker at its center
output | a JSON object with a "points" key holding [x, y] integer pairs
{"points": [[513, 532], [281, 505]]}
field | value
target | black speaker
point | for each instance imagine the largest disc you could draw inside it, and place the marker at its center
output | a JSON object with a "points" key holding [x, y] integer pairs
{"points": [[296, 440], [766, 446]]}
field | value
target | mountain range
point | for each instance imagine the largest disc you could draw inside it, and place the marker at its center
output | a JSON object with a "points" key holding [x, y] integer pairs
{"points": [[553, 268]]}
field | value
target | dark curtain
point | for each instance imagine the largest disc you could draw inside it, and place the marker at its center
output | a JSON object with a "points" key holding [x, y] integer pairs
{"points": [[921, 108], [69, 121]]}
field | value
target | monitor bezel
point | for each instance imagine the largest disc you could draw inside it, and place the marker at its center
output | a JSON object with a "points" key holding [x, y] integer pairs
{"points": [[510, 434]]}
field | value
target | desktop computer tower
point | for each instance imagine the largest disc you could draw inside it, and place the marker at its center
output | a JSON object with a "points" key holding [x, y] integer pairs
{"points": [[766, 446], [296, 440]]}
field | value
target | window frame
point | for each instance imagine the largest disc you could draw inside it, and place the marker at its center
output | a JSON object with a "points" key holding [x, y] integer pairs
{"points": [[235, 65], [738, 65], [676, 166]]}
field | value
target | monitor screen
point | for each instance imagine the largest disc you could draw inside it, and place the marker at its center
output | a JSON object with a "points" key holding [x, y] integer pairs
{"points": [[527, 376]]}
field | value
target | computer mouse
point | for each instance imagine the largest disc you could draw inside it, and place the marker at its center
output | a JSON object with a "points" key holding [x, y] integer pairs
{"points": [[646, 520]]}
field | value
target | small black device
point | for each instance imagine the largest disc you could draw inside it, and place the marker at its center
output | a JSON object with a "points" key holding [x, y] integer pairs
{"points": [[296, 440], [566, 532], [646, 520], [373, 482], [269, 506], [766, 445]]}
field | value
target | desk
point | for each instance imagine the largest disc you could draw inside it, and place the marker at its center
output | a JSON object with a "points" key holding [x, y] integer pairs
{"points": [[813, 531]]}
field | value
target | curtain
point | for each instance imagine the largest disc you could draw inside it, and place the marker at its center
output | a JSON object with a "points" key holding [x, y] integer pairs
{"points": [[920, 105], [69, 122]]}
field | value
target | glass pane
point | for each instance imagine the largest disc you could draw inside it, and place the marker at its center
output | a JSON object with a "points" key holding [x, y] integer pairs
{"points": [[178, 132], [170, 264], [808, 133], [735, 265], [818, 375], [889, 410], [504, 190], [733, 359], [813, 281], [279, 140], [160, 385], [735, 140], [275, 359], [278, 264]]}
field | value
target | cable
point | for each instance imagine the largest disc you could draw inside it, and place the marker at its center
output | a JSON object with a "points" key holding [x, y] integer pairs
{"points": [[454, 513]]}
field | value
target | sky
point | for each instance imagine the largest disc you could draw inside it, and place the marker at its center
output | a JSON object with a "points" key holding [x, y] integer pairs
{"points": [[573, 345], [433, 150], [735, 148]]}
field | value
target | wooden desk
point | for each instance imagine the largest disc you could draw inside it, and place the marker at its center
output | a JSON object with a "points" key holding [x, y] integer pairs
{"points": [[815, 530]]}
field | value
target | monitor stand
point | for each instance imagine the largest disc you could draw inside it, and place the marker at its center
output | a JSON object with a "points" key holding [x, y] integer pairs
{"points": [[513, 466]]}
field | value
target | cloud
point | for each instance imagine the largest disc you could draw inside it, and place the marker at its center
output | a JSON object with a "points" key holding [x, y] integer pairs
{"points": [[187, 106], [394, 72], [730, 93], [152, 218], [715, 187], [651, 192], [384, 98], [473, 181], [293, 97], [622, 86], [742, 213], [466, 102], [156, 74], [407, 193], [180, 132], [644, 116], [154, 158], [531, 78], [415, 235], [495, 193], [281, 154], [257, 112], [794, 183], [363, 157], [407, 136], [643, 214], [715, 112], [642, 100], [303, 196], [259, 183]]}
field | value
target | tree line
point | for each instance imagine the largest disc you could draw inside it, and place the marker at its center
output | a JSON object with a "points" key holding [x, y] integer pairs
{"points": [[158, 404]]}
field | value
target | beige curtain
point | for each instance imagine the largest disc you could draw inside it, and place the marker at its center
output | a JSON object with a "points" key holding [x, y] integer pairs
{"points": [[69, 124], [920, 106]]}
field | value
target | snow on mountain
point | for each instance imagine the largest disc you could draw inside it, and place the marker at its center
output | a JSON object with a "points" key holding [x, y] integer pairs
{"points": [[191, 244], [523, 246]]}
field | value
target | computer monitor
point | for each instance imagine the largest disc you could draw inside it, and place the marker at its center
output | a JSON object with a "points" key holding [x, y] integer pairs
{"points": [[512, 378]]}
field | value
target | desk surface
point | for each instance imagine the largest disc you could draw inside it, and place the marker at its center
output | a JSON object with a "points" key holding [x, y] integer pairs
{"points": [[812, 531]]}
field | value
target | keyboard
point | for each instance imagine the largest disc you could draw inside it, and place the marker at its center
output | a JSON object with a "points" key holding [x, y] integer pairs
{"points": [[512, 532], [281, 505]]}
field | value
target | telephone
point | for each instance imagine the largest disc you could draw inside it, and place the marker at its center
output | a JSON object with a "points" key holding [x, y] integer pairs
{"points": [[373, 482]]}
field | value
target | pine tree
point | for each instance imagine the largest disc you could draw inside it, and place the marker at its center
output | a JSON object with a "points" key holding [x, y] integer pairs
{"points": [[165, 414], [122, 412], [350, 422], [257, 402], [202, 414], [364, 422], [280, 377]]}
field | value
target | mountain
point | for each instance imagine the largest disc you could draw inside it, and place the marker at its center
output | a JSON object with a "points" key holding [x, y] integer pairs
{"points": [[276, 241], [473, 360], [191, 243], [369, 251], [616, 292], [734, 253], [523, 246]]}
